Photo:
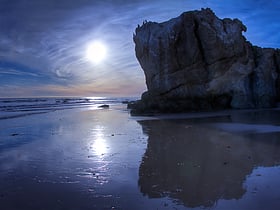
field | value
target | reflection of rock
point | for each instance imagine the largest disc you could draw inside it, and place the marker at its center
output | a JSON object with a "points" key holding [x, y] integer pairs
{"points": [[198, 61], [198, 165]]}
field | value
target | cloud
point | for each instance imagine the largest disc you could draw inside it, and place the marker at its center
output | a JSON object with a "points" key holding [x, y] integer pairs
{"points": [[16, 72]]}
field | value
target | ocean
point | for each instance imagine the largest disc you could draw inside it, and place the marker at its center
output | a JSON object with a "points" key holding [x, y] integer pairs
{"points": [[20, 107]]}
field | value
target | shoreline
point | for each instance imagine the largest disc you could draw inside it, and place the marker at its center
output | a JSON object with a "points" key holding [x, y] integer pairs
{"points": [[200, 114]]}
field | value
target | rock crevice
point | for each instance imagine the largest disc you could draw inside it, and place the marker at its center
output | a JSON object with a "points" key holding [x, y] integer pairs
{"points": [[200, 62]]}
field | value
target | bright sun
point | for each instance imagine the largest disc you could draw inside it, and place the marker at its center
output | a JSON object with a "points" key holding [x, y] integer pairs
{"points": [[96, 52]]}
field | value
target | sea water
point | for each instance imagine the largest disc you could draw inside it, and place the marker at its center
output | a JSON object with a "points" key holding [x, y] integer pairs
{"points": [[19, 107]]}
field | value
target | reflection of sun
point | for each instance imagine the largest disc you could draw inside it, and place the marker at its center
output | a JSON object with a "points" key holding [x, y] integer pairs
{"points": [[96, 52], [99, 144]]}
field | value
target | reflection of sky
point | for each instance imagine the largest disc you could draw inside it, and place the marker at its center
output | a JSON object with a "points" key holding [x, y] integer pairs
{"points": [[43, 43]]}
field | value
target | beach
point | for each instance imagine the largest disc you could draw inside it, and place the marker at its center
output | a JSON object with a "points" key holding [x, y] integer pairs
{"points": [[85, 157]]}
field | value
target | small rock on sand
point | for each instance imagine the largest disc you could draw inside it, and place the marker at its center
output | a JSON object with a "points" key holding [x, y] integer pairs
{"points": [[104, 106]]}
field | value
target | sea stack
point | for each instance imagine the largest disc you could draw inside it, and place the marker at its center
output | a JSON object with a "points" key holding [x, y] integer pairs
{"points": [[200, 62]]}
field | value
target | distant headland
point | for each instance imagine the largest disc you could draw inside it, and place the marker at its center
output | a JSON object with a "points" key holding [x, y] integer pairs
{"points": [[200, 62]]}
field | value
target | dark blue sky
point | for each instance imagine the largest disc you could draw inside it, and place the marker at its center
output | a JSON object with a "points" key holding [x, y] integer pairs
{"points": [[43, 42]]}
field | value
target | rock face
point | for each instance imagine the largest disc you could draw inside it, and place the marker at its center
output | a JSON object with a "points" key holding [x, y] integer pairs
{"points": [[200, 62]]}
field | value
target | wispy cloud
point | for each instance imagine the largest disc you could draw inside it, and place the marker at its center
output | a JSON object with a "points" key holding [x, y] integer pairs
{"points": [[16, 72]]}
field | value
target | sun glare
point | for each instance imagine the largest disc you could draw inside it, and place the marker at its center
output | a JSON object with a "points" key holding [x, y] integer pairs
{"points": [[96, 52]]}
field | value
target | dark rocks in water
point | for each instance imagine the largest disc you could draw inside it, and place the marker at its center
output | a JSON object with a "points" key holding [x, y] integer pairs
{"points": [[200, 62], [104, 106], [125, 102]]}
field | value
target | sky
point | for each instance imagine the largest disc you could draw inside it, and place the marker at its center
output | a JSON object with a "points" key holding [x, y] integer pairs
{"points": [[43, 43]]}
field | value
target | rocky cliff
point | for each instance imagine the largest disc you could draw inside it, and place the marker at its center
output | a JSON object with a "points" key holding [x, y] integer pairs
{"points": [[200, 62]]}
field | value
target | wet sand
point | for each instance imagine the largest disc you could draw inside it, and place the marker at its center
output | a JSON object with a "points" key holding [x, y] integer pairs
{"points": [[106, 159]]}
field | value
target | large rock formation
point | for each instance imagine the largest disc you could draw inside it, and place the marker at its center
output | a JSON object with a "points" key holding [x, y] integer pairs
{"points": [[200, 62]]}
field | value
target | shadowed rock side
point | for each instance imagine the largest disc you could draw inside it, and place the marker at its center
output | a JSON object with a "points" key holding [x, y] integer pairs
{"points": [[197, 165], [200, 62]]}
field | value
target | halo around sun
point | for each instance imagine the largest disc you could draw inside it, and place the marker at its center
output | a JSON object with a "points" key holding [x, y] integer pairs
{"points": [[96, 52]]}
